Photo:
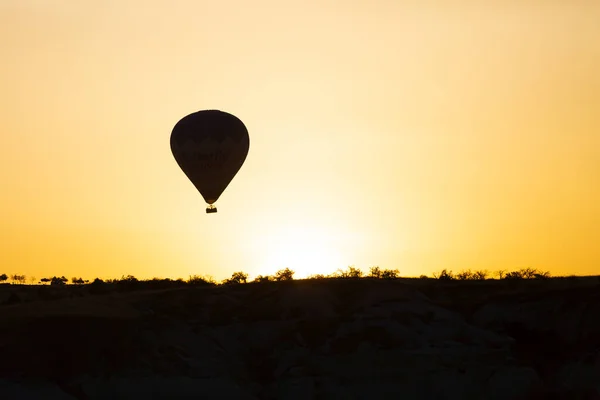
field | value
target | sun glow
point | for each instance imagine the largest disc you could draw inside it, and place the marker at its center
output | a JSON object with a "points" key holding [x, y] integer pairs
{"points": [[304, 249]]}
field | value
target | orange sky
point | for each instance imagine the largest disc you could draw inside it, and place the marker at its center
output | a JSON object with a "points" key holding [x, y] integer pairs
{"points": [[416, 135]]}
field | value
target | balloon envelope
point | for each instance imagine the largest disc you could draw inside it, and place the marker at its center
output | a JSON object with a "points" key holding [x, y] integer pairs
{"points": [[210, 146]]}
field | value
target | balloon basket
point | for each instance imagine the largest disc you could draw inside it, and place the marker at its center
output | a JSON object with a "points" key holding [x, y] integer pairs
{"points": [[211, 209]]}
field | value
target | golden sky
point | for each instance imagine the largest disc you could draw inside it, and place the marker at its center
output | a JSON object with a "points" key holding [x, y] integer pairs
{"points": [[416, 135]]}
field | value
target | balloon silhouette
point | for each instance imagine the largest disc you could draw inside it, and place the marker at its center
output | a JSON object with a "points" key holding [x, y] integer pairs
{"points": [[210, 146]]}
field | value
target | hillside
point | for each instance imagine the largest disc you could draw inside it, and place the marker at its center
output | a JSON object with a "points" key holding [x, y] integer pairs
{"points": [[305, 339]]}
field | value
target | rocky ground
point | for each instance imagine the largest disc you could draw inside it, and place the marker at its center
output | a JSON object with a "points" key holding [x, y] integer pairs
{"points": [[327, 339]]}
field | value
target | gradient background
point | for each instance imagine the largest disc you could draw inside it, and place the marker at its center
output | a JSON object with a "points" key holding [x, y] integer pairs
{"points": [[416, 135]]}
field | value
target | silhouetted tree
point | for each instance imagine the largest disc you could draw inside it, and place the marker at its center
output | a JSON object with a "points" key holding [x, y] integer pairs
{"points": [[261, 278], [445, 275], [18, 278], [532, 273], [501, 274], [44, 280], [390, 274], [375, 272], [128, 282], [351, 272], [160, 283], [284, 275], [464, 275], [129, 278], [480, 275], [76, 281], [98, 286], [58, 280], [527, 273], [542, 275], [514, 275], [196, 280], [354, 272], [237, 277], [3, 278]]}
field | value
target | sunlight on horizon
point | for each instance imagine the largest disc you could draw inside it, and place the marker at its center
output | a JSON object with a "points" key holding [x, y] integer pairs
{"points": [[410, 135], [305, 249]]}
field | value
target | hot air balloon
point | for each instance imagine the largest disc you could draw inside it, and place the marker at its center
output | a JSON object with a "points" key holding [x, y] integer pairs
{"points": [[210, 146]]}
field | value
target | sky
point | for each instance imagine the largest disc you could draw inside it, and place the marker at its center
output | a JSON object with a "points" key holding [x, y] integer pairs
{"points": [[412, 135]]}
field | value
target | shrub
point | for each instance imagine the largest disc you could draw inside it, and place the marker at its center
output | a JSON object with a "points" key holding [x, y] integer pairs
{"points": [[266, 278], [514, 275], [317, 277], [160, 283], [527, 273], [464, 275], [237, 277], [445, 275], [480, 275], [542, 275], [98, 286], [58, 281], [196, 280], [18, 278], [351, 272], [375, 272], [128, 282], [390, 274], [284, 275]]}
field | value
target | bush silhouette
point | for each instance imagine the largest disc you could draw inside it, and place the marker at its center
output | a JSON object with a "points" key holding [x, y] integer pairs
{"points": [[464, 275], [284, 275], [196, 280], [158, 283], [445, 275], [390, 274], [18, 278], [98, 286], [349, 273], [527, 273], [237, 277], [266, 278], [130, 282], [58, 280], [127, 283], [480, 275], [375, 272]]}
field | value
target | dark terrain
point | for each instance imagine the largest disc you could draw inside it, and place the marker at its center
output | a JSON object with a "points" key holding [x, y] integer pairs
{"points": [[304, 339]]}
